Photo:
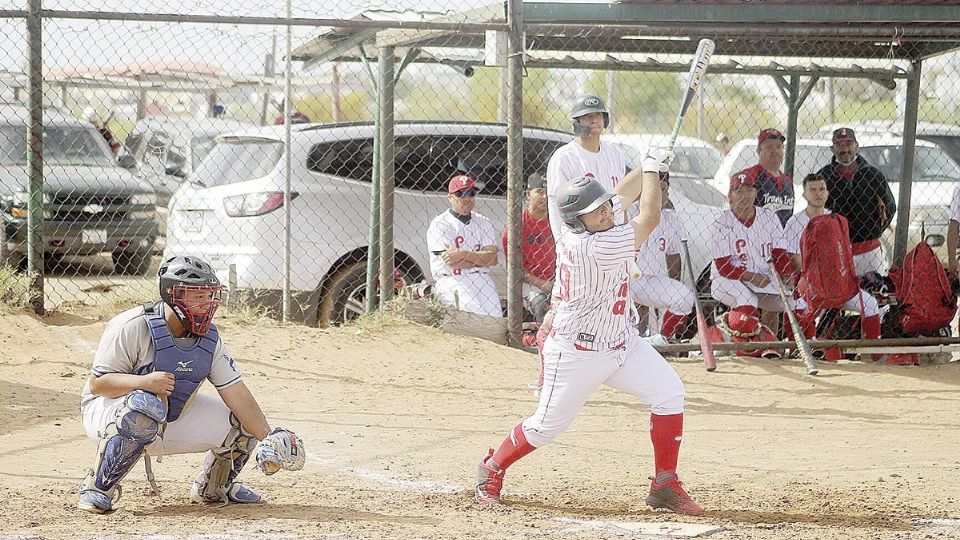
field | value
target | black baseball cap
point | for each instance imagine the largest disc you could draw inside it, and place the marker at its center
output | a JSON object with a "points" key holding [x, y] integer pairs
{"points": [[844, 134], [536, 181]]}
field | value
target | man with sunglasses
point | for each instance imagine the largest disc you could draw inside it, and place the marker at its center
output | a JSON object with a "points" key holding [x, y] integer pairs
{"points": [[141, 398], [462, 245]]}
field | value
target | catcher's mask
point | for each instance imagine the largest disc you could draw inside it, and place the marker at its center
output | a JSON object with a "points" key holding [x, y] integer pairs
{"points": [[191, 287]]}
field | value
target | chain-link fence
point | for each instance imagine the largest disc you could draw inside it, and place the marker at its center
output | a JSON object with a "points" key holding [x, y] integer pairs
{"points": [[165, 135]]}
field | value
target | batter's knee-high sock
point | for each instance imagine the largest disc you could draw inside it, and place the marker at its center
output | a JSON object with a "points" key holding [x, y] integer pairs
{"points": [[672, 321], [666, 430], [514, 447], [871, 327]]}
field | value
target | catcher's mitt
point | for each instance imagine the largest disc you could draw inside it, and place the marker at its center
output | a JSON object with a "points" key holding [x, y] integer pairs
{"points": [[281, 449]]}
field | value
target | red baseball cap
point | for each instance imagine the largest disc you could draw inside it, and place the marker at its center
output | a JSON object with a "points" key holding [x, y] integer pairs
{"points": [[770, 133], [461, 181], [746, 177], [844, 134]]}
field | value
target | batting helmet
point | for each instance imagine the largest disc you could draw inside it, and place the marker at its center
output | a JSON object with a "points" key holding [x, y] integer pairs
{"points": [[583, 105], [581, 196], [183, 274]]}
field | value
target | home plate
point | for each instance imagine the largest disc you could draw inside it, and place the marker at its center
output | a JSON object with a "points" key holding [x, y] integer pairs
{"points": [[649, 530]]}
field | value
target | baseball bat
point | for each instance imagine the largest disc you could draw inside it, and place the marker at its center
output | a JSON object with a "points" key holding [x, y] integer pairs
{"points": [[798, 336], [701, 59], [706, 347]]}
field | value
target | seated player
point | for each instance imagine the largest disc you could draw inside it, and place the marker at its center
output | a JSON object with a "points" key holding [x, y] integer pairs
{"points": [[538, 249]]}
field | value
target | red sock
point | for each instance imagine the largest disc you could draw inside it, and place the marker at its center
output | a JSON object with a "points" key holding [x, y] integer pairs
{"points": [[671, 321], [666, 430], [871, 327], [748, 310], [514, 447]]}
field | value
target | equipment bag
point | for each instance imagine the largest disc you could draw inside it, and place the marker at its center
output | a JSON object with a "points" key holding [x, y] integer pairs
{"points": [[828, 278], [926, 301]]}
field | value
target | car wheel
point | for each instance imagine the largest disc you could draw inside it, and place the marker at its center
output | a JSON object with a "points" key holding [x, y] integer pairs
{"points": [[131, 263], [346, 297]]}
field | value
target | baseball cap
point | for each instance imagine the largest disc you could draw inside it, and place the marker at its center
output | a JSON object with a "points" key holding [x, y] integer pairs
{"points": [[536, 181], [746, 177], [770, 133], [844, 134], [461, 181]]}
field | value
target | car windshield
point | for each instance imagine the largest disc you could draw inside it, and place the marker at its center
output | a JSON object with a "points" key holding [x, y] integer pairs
{"points": [[200, 146], [702, 162], [930, 163], [238, 160], [75, 146]]}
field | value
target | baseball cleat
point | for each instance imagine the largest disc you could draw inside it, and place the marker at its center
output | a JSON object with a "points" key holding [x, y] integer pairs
{"points": [[241, 494], [666, 491], [95, 502], [489, 482]]}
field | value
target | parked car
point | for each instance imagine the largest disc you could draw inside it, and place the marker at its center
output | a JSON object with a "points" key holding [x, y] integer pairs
{"points": [[168, 148], [230, 211], [693, 156], [934, 176], [91, 203]]}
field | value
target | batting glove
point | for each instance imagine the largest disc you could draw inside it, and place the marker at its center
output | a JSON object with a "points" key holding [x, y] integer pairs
{"points": [[657, 159]]}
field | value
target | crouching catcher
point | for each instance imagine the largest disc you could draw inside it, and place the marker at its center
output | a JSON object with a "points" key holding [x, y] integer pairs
{"points": [[141, 398]]}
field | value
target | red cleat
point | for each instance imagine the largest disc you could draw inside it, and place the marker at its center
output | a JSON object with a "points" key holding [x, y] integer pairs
{"points": [[666, 491], [489, 482]]}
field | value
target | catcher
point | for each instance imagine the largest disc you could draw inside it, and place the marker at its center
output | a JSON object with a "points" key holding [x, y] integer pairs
{"points": [[141, 397]]}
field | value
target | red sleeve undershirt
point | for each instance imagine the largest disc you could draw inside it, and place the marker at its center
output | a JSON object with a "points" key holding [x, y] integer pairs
{"points": [[727, 269]]}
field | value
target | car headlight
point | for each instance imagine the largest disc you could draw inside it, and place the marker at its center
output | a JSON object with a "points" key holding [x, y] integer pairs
{"points": [[144, 199], [17, 203]]}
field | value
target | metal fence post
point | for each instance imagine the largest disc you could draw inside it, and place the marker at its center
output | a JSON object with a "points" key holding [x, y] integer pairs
{"points": [[386, 86], [35, 158], [288, 162], [906, 173], [514, 172]]}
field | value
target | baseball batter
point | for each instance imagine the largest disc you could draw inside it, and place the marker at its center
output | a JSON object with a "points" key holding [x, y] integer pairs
{"points": [[583, 156], [462, 246], [594, 340], [141, 396], [743, 239], [816, 194], [660, 267]]}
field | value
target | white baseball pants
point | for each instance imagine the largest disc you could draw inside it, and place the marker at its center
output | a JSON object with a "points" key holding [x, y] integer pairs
{"points": [[572, 375], [661, 292], [871, 261], [475, 293], [202, 426], [733, 293]]}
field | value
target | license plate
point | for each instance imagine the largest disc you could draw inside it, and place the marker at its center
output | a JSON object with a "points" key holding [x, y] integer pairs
{"points": [[193, 222], [94, 236]]}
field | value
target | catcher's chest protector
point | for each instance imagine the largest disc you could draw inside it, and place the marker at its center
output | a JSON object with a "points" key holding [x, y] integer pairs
{"points": [[190, 366]]}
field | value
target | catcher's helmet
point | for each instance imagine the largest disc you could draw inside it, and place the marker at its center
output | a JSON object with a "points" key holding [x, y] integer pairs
{"points": [[183, 274], [581, 196], [586, 104]]}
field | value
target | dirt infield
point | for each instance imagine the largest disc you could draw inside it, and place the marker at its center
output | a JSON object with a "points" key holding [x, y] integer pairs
{"points": [[396, 416]]}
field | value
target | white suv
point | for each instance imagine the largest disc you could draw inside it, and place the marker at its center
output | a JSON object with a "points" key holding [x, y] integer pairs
{"points": [[230, 211], [934, 176]]}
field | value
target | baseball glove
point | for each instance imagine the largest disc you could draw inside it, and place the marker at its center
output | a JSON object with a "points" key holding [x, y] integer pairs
{"points": [[281, 449]]}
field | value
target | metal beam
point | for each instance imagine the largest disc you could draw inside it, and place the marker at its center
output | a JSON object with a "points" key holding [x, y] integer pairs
{"points": [[35, 245], [748, 12], [385, 97], [906, 172], [515, 191], [336, 49]]}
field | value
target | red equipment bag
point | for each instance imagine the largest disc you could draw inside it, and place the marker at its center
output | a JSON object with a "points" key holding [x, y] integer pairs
{"points": [[828, 278], [927, 302]]}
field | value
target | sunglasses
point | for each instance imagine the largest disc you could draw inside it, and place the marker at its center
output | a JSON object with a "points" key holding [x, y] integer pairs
{"points": [[470, 192]]}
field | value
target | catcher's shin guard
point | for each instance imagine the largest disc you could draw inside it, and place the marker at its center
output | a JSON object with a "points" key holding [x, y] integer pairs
{"points": [[122, 442], [215, 483]]}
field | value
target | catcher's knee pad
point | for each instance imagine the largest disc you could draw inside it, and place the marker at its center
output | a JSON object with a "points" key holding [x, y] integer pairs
{"points": [[223, 464], [538, 304], [122, 442]]}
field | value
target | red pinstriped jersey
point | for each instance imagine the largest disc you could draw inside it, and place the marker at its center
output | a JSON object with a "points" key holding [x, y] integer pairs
{"points": [[572, 161], [593, 307]]}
